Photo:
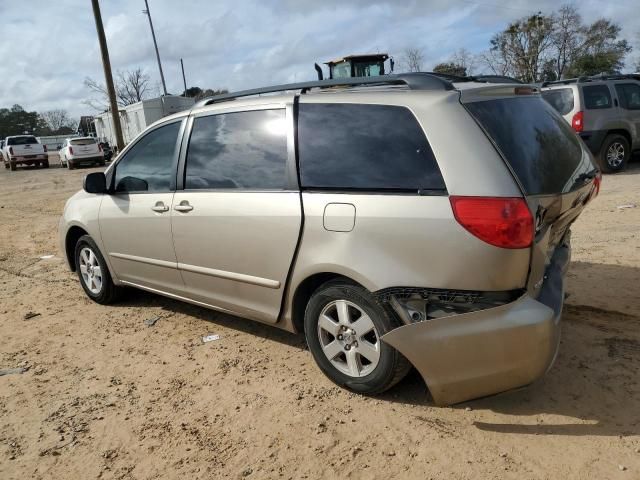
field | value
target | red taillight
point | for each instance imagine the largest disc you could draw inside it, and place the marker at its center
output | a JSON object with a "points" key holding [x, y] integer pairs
{"points": [[70, 150], [10, 150], [597, 181], [100, 146], [502, 222], [577, 122], [45, 148]]}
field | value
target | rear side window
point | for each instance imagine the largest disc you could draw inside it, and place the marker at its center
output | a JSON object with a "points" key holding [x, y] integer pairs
{"points": [[629, 94], [364, 147], [596, 96], [561, 99], [245, 150], [22, 141], [539, 145]]}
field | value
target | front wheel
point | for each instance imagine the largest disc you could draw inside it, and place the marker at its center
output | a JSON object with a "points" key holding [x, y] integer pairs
{"points": [[615, 153], [343, 326], [93, 272]]}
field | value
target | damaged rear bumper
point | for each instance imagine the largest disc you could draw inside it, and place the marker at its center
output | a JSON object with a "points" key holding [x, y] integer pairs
{"points": [[475, 354]]}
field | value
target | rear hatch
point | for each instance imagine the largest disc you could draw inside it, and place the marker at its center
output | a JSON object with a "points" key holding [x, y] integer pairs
{"points": [[26, 146], [85, 147], [552, 166]]}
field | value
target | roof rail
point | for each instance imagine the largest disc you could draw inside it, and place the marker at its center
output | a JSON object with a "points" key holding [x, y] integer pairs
{"points": [[415, 81], [594, 78]]}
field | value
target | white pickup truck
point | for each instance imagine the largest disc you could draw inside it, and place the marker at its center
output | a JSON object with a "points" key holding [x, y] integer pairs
{"points": [[24, 150]]}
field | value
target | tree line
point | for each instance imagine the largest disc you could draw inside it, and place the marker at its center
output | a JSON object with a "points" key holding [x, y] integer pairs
{"points": [[541, 47], [17, 121]]}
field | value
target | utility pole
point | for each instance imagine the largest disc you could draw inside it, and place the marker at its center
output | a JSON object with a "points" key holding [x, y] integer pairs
{"points": [[155, 44], [184, 80], [106, 64]]}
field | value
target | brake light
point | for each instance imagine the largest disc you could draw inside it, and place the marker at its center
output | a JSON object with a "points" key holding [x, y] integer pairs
{"points": [[577, 122], [597, 181], [100, 146], [10, 150], [504, 222], [45, 148]]}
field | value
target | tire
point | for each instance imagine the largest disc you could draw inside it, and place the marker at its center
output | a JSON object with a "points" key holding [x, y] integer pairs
{"points": [[13, 166], [354, 364], [70, 165], [614, 154], [6, 164], [45, 164], [98, 287]]}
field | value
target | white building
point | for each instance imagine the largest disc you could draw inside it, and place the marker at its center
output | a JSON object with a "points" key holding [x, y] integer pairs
{"points": [[136, 117]]}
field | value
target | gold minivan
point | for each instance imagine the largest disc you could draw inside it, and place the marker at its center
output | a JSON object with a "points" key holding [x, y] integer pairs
{"points": [[403, 220]]}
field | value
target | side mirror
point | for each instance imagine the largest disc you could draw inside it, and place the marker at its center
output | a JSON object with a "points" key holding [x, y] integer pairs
{"points": [[95, 182]]}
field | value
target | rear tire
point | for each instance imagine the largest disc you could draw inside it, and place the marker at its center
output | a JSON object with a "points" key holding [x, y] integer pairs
{"points": [[6, 164], [45, 164], [614, 154], [13, 166], [343, 326], [70, 165], [93, 272]]}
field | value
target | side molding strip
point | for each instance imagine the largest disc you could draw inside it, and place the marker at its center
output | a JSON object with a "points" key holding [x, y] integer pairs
{"points": [[238, 277], [149, 261]]}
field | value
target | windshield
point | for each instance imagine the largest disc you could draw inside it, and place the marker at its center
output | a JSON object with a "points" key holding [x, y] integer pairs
{"points": [[83, 141], [367, 69], [538, 144], [22, 141], [561, 99], [342, 70]]}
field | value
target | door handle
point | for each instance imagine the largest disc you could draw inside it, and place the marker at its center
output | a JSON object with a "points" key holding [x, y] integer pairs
{"points": [[160, 207], [183, 206]]}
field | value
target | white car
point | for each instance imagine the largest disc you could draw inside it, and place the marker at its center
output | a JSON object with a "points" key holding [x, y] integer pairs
{"points": [[24, 150], [81, 151]]}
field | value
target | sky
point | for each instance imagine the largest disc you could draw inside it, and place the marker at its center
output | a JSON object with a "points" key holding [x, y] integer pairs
{"points": [[48, 48]]}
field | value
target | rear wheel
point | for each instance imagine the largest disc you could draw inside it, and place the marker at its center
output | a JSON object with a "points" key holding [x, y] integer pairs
{"points": [[70, 165], [343, 326], [93, 272], [45, 164], [615, 153], [6, 164], [13, 166]]}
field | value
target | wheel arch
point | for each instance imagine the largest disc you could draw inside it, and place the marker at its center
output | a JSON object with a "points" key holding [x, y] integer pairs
{"points": [[619, 131], [71, 238], [305, 290]]}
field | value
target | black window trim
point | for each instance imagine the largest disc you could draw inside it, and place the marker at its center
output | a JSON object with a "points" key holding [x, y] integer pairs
{"points": [[611, 97], [626, 102], [424, 192], [292, 176], [110, 174]]}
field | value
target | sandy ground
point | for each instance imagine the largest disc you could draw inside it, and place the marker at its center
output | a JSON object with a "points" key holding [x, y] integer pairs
{"points": [[106, 396]]}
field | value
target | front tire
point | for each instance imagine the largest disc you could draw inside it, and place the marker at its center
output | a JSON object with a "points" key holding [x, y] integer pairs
{"points": [[614, 154], [343, 326], [93, 272]]}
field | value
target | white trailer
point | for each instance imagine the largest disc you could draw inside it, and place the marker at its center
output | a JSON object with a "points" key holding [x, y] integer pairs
{"points": [[136, 117]]}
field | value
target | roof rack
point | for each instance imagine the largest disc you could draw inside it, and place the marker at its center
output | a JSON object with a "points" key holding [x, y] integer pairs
{"points": [[594, 78], [415, 81]]}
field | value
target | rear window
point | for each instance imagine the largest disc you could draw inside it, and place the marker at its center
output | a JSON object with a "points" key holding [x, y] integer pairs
{"points": [[364, 147], [22, 141], [83, 141], [596, 96], [561, 99], [539, 145]]}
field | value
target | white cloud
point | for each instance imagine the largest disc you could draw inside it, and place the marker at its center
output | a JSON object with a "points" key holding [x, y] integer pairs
{"points": [[48, 48]]}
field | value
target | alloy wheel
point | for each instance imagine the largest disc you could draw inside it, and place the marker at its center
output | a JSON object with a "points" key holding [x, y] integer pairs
{"points": [[90, 270], [348, 338]]}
